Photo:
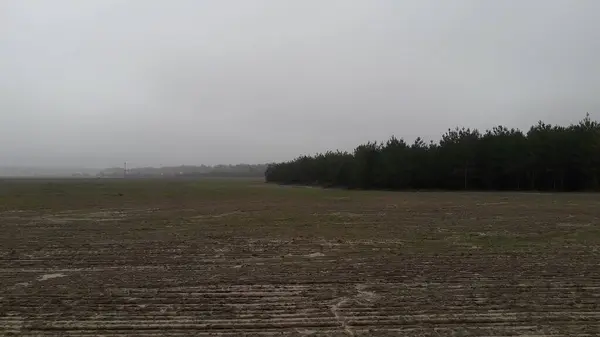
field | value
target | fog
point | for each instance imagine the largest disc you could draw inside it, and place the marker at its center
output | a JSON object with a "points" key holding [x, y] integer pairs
{"points": [[95, 83]]}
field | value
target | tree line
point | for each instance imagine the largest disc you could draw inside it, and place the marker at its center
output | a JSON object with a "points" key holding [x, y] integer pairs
{"points": [[239, 170], [545, 158]]}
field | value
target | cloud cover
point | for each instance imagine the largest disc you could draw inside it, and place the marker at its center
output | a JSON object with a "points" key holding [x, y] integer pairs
{"points": [[94, 83]]}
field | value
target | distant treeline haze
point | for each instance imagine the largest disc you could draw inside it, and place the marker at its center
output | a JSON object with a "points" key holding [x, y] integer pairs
{"points": [[547, 157], [240, 170]]}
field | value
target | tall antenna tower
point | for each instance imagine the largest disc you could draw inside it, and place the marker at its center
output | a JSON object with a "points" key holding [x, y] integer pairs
{"points": [[125, 170]]}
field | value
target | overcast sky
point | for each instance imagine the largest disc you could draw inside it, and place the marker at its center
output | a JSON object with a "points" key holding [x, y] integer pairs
{"points": [[94, 83]]}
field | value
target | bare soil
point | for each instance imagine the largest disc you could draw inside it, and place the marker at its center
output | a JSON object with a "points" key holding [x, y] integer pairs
{"points": [[231, 258]]}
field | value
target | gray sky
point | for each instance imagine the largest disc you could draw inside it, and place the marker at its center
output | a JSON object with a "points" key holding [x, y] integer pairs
{"points": [[93, 83]]}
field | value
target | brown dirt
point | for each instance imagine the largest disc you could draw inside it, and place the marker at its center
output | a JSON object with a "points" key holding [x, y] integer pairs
{"points": [[242, 260]]}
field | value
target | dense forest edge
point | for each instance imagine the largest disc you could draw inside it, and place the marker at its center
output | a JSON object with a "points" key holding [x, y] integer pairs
{"points": [[546, 158]]}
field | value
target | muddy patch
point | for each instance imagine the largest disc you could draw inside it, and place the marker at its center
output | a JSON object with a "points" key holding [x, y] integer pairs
{"points": [[347, 215], [73, 216], [493, 203], [216, 216], [46, 277], [573, 225], [316, 254]]}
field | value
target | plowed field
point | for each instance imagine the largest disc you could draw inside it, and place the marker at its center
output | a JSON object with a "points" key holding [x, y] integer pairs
{"points": [[239, 257]]}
